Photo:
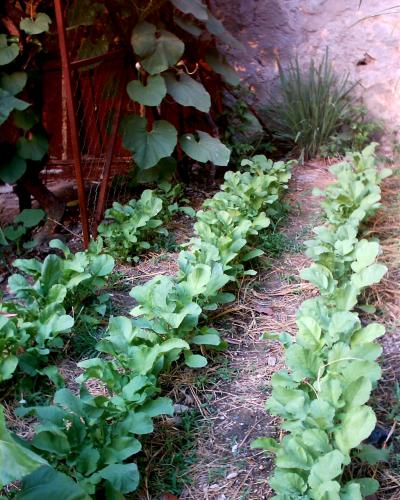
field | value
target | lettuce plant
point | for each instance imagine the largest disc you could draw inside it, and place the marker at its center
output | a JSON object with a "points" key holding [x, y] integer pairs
{"points": [[129, 229], [332, 365], [46, 298]]}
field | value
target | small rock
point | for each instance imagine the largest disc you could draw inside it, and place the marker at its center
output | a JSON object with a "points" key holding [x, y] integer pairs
{"points": [[179, 409], [234, 448], [221, 497], [214, 486], [232, 475], [271, 361]]}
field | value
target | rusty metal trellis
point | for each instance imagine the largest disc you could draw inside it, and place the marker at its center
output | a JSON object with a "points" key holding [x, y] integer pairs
{"points": [[93, 121]]}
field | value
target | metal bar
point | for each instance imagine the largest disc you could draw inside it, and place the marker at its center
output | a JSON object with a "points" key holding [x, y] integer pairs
{"points": [[109, 155], [66, 73]]}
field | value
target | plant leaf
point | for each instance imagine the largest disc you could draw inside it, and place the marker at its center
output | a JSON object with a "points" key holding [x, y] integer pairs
{"points": [[149, 147], [159, 49], [150, 94], [206, 148], [35, 26], [187, 91]]}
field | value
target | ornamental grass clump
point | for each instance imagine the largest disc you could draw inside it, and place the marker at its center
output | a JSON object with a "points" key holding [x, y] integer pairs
{"points": [[313, 104]]}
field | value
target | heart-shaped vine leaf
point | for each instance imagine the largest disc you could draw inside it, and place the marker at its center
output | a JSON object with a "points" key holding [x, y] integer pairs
{"points": [[32, 148], [188, 92], [194, 7], [13, 170], [220, 66], [8, 51], [149, 147], [36, 26], [150, 94], [215, 27], [25, 119], [206, 148], [8, 103], [159, 49], [14, 83]]}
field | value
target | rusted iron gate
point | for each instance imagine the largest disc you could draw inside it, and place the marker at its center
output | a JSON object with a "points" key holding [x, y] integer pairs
{"points": [[93, 121]]}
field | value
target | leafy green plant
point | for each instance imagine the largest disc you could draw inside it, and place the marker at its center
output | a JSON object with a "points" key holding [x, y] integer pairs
{"points": [[14, 233], [355, 134], [312, 106], [132, 228], [332, 366], [43, 294]]}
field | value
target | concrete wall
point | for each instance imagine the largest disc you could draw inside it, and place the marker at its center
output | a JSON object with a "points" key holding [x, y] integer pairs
{"points": [[283, 28]]}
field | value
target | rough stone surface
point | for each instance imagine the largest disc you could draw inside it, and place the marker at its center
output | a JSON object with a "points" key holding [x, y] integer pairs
{"points": [[368, 48]]}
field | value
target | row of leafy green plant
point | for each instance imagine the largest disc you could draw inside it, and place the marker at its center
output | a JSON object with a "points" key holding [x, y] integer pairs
{"points": [[332, 365], [85, 443], [130, 229]]}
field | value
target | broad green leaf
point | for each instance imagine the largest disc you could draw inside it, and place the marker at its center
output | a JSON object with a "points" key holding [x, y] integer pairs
{"points": [[205, 148], [365, 255], [30, 217], [149, 147], [220, 66], [368, 486], [25, 119], [139, 423], [9, 50], [369, 275], [292, 455], [351, 491], [206, 339], [17, 461], [157, 407], [35, 26], [33, 148], [320, 276], [150, 94], [372, 455], [266, 444], [124, 478], [288, 483], [198, 279], [309, 334], [316, 439], [187, 91], [8, 366], [357, 425], [14, 83], [195, 361], [49, 483], [326, 468], [13, 170], [358, 392], [9, 103], [195, 7], [158, 48], [367, 334], [102, 265]]}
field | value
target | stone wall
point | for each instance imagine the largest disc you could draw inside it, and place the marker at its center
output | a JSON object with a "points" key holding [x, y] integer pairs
{"points": [[368, 48]]}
